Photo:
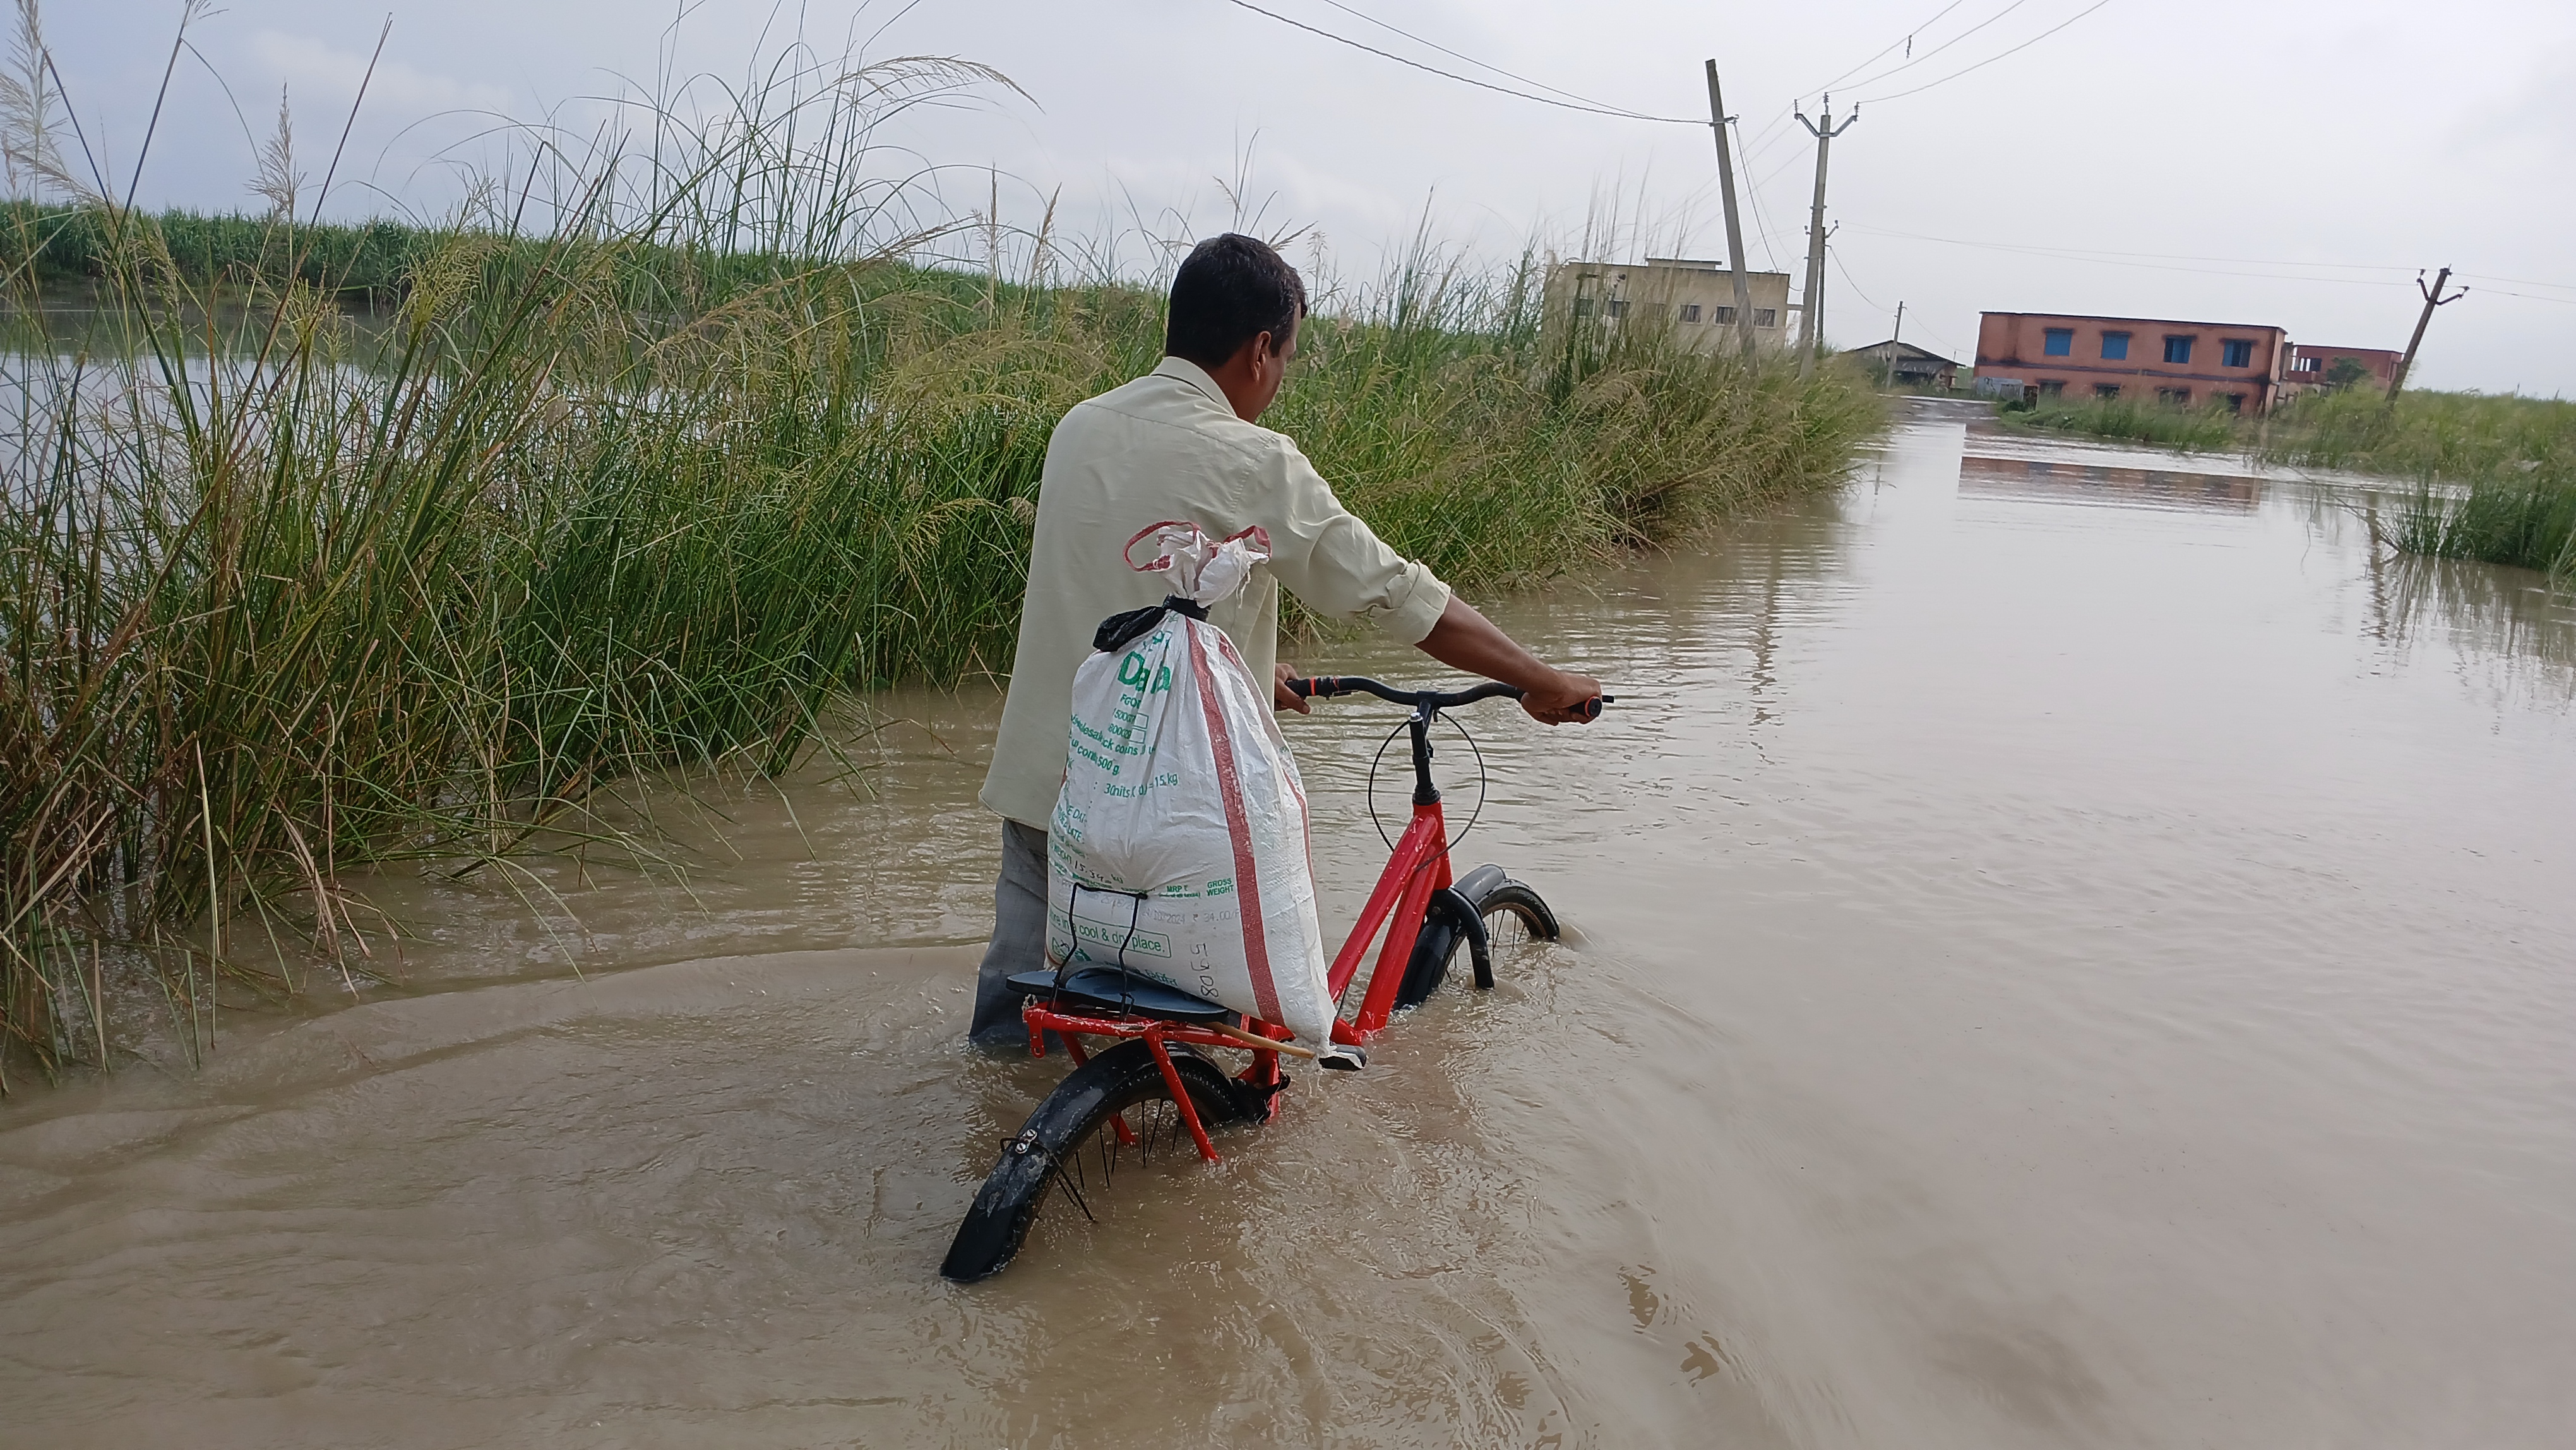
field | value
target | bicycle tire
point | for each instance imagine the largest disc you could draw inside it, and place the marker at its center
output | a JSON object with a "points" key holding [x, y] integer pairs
{"points": [[1034, 1161], [1497, 900]]}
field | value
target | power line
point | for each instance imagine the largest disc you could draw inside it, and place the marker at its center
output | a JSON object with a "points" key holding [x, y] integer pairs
{"points": [[1761, 140], [1762, 229], [1839, 266], [1891, 45], [1625, 115], [1990, 60], [2519, 282], [1837, 254], [1944, 45], [1469, 59]]}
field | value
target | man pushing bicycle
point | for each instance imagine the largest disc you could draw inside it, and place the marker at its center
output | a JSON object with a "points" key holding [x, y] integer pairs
{"points": [[1183, 443]]}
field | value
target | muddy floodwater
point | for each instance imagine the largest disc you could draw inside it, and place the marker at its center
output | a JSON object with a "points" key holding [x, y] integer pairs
{"points": [[2066, 948]]}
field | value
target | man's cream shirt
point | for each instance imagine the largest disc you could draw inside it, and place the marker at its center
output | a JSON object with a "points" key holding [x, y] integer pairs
{"points": [[1168, 446]]}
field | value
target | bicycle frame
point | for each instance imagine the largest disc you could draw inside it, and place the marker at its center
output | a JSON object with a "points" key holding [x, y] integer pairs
{"points": [[1417, 867]]}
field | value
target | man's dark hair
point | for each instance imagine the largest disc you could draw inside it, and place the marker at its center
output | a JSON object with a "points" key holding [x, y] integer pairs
{"points": [[1232, 289]]}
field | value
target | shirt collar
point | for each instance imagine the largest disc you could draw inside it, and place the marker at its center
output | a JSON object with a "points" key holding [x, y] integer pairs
{"points": [[1181, 369]]}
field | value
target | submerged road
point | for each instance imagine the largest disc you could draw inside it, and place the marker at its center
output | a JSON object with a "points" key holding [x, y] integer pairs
{"points": [[2068, 948]]}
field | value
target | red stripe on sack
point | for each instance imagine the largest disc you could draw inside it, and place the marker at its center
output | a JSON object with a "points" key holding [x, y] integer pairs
{"points": [[1247, 886], [1305, 817]]}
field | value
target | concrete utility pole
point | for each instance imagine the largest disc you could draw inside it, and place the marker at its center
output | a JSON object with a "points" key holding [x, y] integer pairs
{"points": [[1895, 343], [1811, 316], [2432, 298], [1734, 228]]}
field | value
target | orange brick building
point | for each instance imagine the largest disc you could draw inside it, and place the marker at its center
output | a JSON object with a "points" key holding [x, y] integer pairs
{"points": [[2310, 365], [2186, 364]]}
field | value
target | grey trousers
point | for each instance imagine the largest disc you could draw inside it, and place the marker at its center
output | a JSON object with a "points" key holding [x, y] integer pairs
{"points": [[1019, 937]]}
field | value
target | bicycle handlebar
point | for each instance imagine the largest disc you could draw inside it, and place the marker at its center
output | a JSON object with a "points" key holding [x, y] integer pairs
{"points": [[1327, 686]]}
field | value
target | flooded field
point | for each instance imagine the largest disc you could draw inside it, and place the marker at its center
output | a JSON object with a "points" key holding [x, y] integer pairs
{"points": [[2067, 948]]}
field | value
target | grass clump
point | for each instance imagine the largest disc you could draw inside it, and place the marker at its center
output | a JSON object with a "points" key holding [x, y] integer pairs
{"points": [[2204, 429], [286, 591], [2496, 475]]}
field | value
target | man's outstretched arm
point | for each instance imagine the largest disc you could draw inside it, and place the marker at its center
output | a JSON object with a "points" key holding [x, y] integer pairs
{"points": [[1464, 639]]}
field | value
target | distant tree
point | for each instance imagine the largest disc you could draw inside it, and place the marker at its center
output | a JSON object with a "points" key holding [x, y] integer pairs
{"points": [[2345, 373]]}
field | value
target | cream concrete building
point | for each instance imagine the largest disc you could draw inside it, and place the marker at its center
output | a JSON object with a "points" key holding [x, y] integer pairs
{"points": [[1695, 299]]}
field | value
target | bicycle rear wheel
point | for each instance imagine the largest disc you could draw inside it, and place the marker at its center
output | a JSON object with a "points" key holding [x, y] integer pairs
{"points": [[1070, 1143], [1511, 913]]}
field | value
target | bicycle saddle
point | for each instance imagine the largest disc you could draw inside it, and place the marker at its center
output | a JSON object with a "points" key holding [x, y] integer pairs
{"points": [[1114, 993]]}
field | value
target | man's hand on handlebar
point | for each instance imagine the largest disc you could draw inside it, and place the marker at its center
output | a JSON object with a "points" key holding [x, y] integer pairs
{"points": [[1283, 698], [1568, 699]]}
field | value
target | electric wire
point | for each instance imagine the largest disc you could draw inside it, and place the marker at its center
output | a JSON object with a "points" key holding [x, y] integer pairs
{"points": [[2517, 281], [1837, 254], [1941, 47], [1914, 61], [1891, 45], [1469, 59], [1990, 60], [1619, 112], [1749, 150]]}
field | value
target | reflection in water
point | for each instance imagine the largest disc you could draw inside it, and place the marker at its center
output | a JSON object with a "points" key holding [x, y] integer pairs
{"points": [[2041, 976], [2509, 615], [2047, 481]]}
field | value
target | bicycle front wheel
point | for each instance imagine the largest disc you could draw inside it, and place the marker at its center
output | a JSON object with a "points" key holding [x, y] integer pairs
{"points": [[1071, 1143], [1512, 915]]}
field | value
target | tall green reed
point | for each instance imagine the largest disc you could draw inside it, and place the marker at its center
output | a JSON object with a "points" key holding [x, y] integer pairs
{"points": [[2496, 475]]}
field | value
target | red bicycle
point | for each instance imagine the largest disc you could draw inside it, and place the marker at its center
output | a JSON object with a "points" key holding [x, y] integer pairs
{"points": [[1157, 1067]]}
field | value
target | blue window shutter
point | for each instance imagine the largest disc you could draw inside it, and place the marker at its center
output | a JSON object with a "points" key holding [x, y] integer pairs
{"points": [[2058, 341]]}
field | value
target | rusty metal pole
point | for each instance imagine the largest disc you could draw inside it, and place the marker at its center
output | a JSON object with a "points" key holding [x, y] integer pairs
{"points": [[1734, 228]]}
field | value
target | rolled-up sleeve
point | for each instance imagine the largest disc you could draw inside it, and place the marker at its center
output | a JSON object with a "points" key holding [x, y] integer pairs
{"points": [[1335, 564]]}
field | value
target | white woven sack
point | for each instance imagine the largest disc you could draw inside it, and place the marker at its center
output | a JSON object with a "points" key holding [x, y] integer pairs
{"points": [[1178, 848]]}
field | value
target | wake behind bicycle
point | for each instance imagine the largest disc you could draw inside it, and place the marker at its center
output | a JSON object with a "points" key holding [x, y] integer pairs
{"points": [[1157, 1067]]}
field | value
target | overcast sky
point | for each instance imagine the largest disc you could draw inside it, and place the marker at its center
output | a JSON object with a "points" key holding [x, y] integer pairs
{"points": [[2282, 163]]}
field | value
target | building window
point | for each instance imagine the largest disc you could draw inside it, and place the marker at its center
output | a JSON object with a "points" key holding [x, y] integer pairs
{"points": [[2305, 364], [1583, 307], [2058, 342], [1725, 314], [1766, 317], [2115, 345], [2236, 352], [1619, 308], [2236, 402], [1690, 312], [2052, 387], [2177, 349], [2174, 397], [2106, 390]]}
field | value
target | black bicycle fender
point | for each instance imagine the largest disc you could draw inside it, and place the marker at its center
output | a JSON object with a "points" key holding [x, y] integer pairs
{"points": [[1463, 918]]}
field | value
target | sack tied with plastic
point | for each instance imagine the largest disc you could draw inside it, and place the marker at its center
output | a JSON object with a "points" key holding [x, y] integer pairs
{"points": [[1178, 848]]}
